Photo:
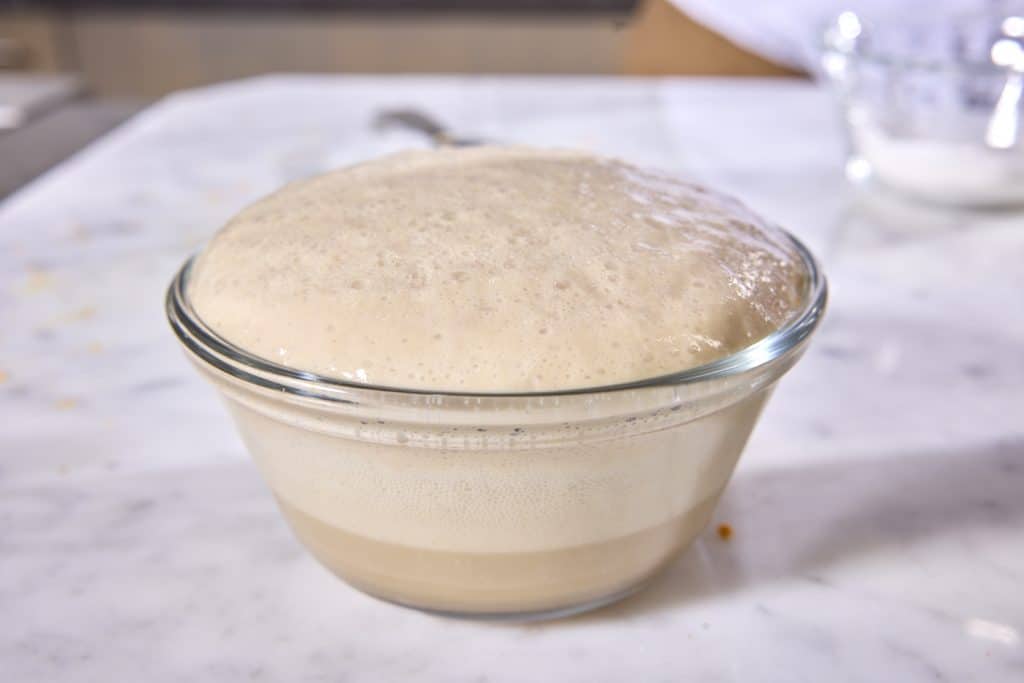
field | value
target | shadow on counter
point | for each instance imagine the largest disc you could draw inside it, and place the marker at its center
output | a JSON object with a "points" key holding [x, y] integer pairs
{"points": [[797, 523]]}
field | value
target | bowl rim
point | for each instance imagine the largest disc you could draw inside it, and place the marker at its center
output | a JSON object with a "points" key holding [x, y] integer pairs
{"points": [[829, 44], [213, 349]]}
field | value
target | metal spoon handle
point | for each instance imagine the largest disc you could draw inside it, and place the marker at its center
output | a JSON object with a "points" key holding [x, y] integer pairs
{"points": [[416, 120]]}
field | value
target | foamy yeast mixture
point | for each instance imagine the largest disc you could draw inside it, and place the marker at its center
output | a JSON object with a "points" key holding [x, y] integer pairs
{"points": [[495, 269]]}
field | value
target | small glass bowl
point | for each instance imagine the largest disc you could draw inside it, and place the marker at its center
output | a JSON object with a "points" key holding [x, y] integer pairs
{"points": [[518, 506], [919, 95]]}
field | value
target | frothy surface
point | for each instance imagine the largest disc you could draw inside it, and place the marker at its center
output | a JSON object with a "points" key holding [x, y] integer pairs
{"points": [[495, 269]]}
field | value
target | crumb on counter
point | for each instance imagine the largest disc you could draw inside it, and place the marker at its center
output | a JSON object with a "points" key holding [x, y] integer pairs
{"points": [[84, 313], [77, 315], [65, 404], [724, 532], [38, 280]]}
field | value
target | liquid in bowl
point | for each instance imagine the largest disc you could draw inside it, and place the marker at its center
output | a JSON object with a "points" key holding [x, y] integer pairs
{"points": [[506, 503]]}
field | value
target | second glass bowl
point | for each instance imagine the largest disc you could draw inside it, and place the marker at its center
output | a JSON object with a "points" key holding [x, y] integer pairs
{"points": [[931, 102]]}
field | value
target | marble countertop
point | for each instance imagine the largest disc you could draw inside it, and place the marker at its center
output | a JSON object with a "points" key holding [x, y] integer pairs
{"points": [[878, 512]]}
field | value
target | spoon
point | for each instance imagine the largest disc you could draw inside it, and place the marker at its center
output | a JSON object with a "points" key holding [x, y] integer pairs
{"points": [[416, 120]]}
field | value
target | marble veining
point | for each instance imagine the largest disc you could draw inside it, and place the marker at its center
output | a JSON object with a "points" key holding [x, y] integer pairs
{"points": [[878, 512]]}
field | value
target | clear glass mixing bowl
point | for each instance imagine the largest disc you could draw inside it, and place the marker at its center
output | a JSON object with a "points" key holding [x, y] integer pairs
{"points": [[932, 102], [497, 505]]}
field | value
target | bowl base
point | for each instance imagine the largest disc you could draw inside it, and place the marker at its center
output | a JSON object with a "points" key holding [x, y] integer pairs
{"points": [[517, 586], [521, 617]]}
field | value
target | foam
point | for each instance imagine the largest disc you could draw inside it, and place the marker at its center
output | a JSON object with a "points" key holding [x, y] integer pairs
{"points": [[495, 269]]}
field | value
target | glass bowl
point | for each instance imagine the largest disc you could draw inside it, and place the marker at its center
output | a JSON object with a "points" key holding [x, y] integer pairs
{"points": [[497, 505], [931, 102]]}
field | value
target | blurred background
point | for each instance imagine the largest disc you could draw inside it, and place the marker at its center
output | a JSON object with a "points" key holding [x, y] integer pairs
{"points": [[70, 71]]}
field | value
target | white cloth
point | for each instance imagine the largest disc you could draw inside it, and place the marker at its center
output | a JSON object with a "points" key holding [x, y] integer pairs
{"points": [[788, 31]]}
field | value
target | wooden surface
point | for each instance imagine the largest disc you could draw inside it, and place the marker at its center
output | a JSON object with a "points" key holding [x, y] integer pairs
{"points": [[150, 52], [663, 41], [162, 52], [31, 41]]}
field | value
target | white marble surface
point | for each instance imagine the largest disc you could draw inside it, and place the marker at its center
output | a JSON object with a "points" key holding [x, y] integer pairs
{"points": [[878, 511]]}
